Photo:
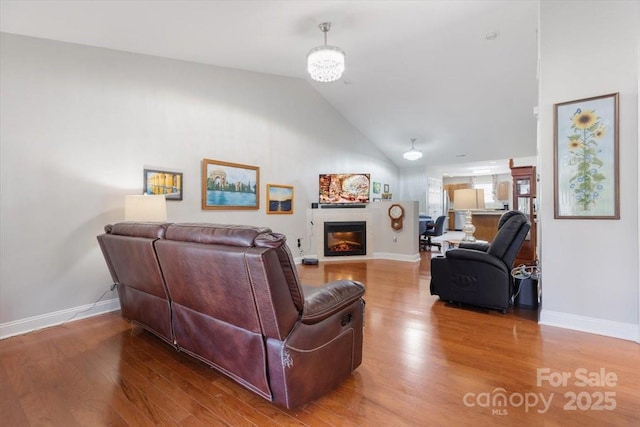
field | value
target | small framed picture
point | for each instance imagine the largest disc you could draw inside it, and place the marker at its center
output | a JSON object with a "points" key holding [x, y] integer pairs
{"points": [[279, 199], [386, 188], [156, 182], [376, 187]]}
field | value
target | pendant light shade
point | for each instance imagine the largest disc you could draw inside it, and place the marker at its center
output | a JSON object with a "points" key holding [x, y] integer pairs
{"points": [[325, 63], [413, 154]]}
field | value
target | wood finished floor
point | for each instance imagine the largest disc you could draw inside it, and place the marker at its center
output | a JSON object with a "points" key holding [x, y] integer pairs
{"points": [[421, 358]]}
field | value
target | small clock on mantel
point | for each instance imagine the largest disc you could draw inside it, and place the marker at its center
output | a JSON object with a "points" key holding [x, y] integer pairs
{"points": [[396, 213]]}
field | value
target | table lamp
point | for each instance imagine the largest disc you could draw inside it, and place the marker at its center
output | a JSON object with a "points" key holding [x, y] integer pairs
{"points": [[468, 199], [145, 208]]}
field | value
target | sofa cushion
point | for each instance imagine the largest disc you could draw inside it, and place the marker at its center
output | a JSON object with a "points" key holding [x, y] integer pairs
{"points": [[129, 251], [278, 242], [503, 240], [150, 230], [324, 301], [219, 234]]}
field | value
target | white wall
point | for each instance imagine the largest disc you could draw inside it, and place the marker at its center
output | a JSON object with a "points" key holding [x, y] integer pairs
{"points": [[79, 125], [590, 267], [413, 186]]}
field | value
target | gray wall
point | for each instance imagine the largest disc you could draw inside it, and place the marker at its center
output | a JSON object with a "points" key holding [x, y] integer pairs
{"points": [[590, 267], [78, 126]]}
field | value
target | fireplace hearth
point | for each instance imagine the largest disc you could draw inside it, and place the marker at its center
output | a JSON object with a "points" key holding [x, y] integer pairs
{"points": [[345, 238]]}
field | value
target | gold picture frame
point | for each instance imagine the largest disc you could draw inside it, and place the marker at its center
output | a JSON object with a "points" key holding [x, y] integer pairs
{"points": [[279, 199], [228, 185]]}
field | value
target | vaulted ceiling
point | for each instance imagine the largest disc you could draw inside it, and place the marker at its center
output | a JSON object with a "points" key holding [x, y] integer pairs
{"points": [[459, 76]]}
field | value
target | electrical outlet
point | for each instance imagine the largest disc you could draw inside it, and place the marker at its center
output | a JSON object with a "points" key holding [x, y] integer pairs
{"points": [[299, 243]]}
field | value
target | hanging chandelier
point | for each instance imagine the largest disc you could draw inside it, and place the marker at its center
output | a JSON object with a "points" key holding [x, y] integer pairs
{"points": [[413, 154], [325, 63]]}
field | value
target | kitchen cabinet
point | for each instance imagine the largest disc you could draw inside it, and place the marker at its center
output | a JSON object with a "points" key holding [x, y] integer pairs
{"points": [[502, 193], [451, 189]]}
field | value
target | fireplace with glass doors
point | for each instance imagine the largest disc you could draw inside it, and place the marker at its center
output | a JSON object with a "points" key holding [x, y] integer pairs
{"points": [[345, 238]]}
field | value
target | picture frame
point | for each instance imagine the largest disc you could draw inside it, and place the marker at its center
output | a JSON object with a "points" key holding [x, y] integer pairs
{"points": [[386, 188], [279, 199], [228, 185], [169, 183], [376, 187], [387, 196], [586, 158]]}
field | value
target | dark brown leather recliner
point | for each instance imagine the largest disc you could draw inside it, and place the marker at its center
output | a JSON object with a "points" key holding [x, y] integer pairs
{"points": [[480, 273], [232, 298]]}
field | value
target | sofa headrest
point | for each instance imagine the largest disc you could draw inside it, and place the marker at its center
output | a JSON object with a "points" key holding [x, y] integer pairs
{"points": [[510, 214], [270, 240], [151, 230], [509, 230], [218, 234]]}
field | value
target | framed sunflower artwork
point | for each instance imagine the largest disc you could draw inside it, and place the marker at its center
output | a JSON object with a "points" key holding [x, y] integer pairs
{"points": [[585, 174]]}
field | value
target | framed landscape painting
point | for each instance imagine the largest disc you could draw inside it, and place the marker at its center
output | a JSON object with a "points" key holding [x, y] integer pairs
{"points": [[156, 182], [279, 199], [230, 185], [586, 175]]}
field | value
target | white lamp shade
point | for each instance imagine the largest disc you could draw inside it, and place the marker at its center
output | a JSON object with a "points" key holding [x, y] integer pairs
{"points": [[469, 198], [145, 208]]}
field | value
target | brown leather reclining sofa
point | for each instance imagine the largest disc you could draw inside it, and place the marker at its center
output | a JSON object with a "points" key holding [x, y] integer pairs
{"points": [[230, 296]]}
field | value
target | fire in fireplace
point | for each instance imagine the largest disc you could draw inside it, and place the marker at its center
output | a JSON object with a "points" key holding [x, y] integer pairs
{"points": [[345, 238]]}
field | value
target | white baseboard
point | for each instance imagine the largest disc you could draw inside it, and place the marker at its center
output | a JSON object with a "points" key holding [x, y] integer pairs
{"points": [[625, 331], [22, 326]]}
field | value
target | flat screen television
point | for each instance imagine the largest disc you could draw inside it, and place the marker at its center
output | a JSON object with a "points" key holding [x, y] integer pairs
{"points": [[344, 188]]}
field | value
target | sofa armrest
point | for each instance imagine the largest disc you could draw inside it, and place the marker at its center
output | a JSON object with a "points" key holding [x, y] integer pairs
{"points": [[323, 301], [477, 256], [478, 246]]}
